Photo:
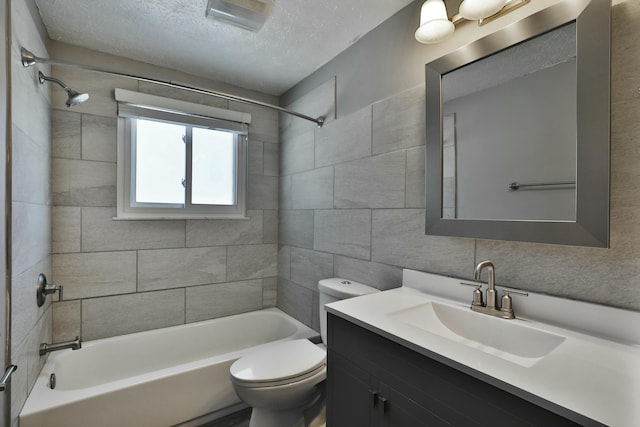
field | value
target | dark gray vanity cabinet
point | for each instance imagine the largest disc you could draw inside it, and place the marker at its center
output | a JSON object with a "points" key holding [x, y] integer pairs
{"points": [[373, 381]]}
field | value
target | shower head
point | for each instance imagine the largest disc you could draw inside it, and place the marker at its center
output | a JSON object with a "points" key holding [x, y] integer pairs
{"points": [[73, 98]]}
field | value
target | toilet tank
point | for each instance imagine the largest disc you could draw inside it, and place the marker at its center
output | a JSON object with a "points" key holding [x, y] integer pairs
{"points": [[337, 289]]}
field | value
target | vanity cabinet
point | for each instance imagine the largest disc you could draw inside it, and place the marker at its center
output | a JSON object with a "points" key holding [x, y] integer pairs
{"points": [[373, 381]]}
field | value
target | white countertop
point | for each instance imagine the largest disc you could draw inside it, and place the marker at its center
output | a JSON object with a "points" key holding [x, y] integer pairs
{"points": [[592, 376]]}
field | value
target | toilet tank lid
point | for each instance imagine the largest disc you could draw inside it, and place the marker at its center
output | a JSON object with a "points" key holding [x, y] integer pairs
{"points": [[343, 288]]}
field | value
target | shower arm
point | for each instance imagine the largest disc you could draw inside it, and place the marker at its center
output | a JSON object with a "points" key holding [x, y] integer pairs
{"points": [[29, 59], [42, 78]]}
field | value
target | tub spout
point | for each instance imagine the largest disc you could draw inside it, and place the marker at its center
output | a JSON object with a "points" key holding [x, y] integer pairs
{"points": [[48, 348]]}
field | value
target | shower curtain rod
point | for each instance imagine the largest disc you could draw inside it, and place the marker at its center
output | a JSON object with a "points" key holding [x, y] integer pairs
{"points": [[29, 59]]}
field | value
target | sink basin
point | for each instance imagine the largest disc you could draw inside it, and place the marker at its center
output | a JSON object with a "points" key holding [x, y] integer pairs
{"points": [[511, 340]]}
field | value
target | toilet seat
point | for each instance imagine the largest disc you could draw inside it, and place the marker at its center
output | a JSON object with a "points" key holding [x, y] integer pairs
{"points": [[278, 364]]}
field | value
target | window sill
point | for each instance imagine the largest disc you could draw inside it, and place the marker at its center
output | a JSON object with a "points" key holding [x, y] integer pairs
{"points": [[144, 217]]}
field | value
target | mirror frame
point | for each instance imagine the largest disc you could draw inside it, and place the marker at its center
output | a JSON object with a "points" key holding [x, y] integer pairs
{"points": [[591, 227]]}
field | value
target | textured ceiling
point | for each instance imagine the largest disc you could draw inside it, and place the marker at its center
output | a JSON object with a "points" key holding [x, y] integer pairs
{"points": [[298, 37]]}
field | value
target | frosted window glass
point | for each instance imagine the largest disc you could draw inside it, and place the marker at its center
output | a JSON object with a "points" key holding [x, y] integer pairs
{"points": [[213, 168], [160, 162]]}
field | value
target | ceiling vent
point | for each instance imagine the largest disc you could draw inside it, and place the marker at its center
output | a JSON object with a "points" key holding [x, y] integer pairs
{"points": [[247, 14]]}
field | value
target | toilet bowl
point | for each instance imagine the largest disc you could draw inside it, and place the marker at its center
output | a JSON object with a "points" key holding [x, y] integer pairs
{"points": [[283, 382]]}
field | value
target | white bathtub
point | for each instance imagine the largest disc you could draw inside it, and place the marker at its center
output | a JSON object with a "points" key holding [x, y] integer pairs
{"points": [[157, 378]]}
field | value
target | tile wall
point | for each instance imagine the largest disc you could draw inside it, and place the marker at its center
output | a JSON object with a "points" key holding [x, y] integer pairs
{"points": [[127, 276], [30, 204], [352, 199]]}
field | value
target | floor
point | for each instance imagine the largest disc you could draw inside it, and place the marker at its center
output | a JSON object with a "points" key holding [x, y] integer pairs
{"points": [[237, 419]]}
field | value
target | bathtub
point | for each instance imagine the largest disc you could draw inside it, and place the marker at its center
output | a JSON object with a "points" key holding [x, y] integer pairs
{"points": [[162, 377]]}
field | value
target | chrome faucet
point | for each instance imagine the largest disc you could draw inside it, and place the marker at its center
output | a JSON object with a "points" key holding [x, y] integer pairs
{"points": [[491, 307], [491, 290], [48, 348]]}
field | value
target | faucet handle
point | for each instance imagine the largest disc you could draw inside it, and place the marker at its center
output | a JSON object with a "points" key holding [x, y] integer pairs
{"points": [[507, 306], [477, 294]]}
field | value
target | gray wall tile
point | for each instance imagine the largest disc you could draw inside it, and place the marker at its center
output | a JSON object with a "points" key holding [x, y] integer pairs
{"points": [[295, 300], [399, 121], [415, 195], [380, 276], [285, 201], [25, 311], [29, 241], [223, 299], [172, 268], [374, 182], [30, 235], [252, 261], [66, 320], [99, 138], [624, 41], [256, 157], [39, 334], [271, 161], [30, 110], [398, 238], [297, 153], [269, 292], [308, 267], [315, 312], [86, 275], [125, 314], [296, 228], [319, 101], [344, 232], [31, 170], [346, 139], [263, 192], [65, 134], [270, 226], [226, 231], [65, 229], [83, 183], [101, 233], [625, 176], [313, 189], [284, 262]]}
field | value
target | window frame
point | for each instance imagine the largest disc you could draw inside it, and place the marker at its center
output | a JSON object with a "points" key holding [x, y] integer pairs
{"points": [[134, 105]]}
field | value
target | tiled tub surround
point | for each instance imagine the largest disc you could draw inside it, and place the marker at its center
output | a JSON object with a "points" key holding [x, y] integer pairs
{"points": [[352, 193], [30, 204], [121, 277], [140, 374]]}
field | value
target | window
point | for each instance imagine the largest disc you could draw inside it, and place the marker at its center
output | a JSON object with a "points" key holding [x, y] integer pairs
{"points": [[179, 160]]}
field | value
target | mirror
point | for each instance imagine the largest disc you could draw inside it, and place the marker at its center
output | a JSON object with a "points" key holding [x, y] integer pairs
{"points": [[518, 132]]}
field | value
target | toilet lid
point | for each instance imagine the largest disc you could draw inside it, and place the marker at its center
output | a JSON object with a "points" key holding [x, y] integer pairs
{"points": [[278, 362]]}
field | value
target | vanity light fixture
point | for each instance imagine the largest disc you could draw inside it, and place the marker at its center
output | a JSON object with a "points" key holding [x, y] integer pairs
{"points": [[434, 23], [435, 26], [474, 10]]}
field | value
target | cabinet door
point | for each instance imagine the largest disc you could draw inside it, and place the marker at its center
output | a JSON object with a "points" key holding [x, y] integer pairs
{"points": [[398, 410], [350, 396]]}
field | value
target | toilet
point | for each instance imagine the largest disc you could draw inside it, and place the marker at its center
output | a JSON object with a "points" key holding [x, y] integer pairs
{"points": [[283, 382]]}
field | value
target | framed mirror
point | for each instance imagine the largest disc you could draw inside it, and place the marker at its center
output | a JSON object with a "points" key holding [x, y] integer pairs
{"points": [[518, 130]]}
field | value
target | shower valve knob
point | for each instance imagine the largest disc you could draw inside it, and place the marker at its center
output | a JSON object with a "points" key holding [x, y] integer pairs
{"points": [[43, 289]]}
